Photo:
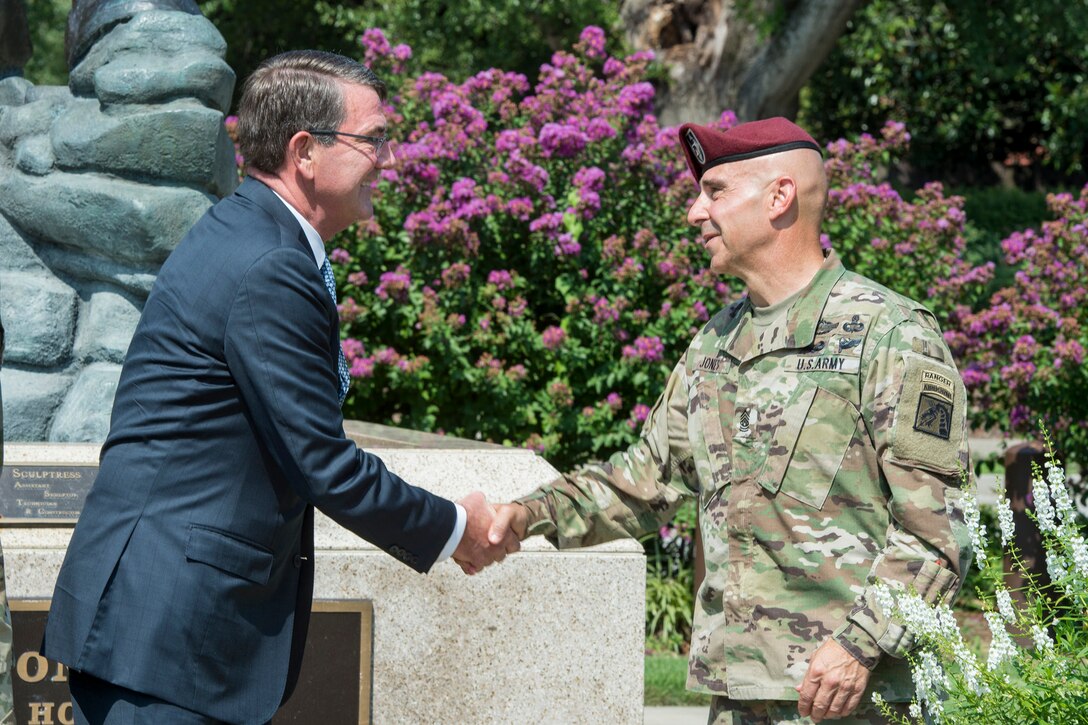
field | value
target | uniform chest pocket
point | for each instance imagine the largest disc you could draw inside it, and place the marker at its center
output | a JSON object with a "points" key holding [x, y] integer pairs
{"points": [[709, 435], [819, 447]]}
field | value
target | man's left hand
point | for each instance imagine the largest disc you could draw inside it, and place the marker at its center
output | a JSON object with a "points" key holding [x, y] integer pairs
{"points": [[833, 685]]}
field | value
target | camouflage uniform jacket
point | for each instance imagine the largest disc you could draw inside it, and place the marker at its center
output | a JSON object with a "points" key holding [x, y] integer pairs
{"points": [[826, 455]]}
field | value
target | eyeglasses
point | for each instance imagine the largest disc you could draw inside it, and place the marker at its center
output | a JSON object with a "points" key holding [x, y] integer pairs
{"points": [[378, 142]]}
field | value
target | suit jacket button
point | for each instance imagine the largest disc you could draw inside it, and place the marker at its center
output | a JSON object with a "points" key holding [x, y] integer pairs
{"points": [[298, 561]]}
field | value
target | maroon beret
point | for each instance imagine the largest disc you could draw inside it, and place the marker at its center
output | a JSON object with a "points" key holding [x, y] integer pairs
{"points": [[705, 147]]}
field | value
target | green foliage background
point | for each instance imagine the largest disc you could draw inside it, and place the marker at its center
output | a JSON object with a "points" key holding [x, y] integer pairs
{"points": [[47, 20], [456, 38], [978, 84]]}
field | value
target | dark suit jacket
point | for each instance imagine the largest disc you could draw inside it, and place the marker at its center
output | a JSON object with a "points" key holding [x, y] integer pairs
{"points": [[189, 575]]}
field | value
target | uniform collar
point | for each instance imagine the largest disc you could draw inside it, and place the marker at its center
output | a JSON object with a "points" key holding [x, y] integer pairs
{"points": [[797, 328]]}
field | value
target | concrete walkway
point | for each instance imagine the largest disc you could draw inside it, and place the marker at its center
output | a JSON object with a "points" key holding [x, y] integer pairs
{"points": [[676, 715]]}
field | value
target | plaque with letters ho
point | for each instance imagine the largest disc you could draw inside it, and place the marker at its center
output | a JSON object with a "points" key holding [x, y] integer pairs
{"points": [[334, 685]]}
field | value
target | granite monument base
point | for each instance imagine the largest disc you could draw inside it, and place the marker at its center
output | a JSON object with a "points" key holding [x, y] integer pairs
{"points": [[545, 637]]}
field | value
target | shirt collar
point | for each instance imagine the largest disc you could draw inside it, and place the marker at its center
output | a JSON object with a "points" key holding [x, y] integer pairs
{"points": [[799, 324], [316, 245]]}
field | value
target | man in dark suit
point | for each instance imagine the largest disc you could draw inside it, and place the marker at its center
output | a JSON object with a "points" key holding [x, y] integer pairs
{"points": [[187, 585]]}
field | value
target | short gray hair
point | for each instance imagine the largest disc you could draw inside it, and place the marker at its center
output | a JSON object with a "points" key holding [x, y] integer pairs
{"points": [[292, 92]]}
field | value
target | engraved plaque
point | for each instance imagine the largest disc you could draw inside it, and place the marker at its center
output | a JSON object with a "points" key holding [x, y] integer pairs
{"points": [[334, 685], [40, 686], [36, 492], [337, 673]]}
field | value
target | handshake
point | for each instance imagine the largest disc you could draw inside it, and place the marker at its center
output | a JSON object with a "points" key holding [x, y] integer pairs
{"points": [[490, 532]]}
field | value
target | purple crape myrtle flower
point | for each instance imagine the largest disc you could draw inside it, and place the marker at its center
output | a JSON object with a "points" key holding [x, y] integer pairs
{"points": [[553, 337], [649, 349], [549, 224], [562, 140], [394, 285], [599, 129], [352, 348], [592, 42], [638, 415], [375, 46], [567, 246], [501, 278], [362, 367]]}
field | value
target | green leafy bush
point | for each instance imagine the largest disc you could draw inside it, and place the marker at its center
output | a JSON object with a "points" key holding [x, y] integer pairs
{"points": [[916, 246], [670, 582], [528, 277], [982, 85], [995, 212], [1000, 211], [669, 607], [456, 39]]}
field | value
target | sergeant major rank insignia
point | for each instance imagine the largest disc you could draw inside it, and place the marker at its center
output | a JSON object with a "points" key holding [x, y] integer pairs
{"points": [[934, 412]]}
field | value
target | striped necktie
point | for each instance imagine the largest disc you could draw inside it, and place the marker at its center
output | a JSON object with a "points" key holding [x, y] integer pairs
{"points": [[342, 364]]}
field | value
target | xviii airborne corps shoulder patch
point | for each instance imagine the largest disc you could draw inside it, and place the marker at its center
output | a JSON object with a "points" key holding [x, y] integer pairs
{"points": [[934, 413]]}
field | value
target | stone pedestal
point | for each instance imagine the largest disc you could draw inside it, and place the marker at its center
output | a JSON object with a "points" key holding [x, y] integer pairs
{"points": [[546, 637]]}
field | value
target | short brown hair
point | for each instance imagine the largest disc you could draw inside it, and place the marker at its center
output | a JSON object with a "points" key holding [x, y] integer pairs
{"points": [[292, 92]]}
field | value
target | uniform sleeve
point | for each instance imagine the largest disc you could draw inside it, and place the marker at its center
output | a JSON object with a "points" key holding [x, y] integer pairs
{"points": [[634, 492], [914, 405]]}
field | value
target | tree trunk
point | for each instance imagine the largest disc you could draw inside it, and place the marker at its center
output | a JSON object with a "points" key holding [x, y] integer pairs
{"points": [[749, 56]]}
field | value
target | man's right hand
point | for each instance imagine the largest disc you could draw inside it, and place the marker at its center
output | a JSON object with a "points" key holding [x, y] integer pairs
{"points": [[479, 548]]}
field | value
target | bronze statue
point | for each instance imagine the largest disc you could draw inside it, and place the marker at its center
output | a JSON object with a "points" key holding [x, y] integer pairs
{"points": [[89, 20]]}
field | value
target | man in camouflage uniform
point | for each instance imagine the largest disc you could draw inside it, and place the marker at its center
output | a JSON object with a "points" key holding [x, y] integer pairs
{"points": [[7, 701], [820, 423]]}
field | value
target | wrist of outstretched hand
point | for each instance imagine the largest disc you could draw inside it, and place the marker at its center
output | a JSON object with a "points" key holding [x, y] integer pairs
{"points": [[860, 644], [538, 515]]}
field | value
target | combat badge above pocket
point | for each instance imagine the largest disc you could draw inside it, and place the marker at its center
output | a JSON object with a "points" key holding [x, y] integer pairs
{"points": [[929, 417]]}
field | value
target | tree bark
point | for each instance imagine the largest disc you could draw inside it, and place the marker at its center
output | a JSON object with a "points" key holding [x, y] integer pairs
{"points": [[719, 58]]}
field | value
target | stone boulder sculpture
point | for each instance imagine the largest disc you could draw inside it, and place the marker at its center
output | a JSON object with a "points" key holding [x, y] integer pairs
{"points": [[99, 181]]}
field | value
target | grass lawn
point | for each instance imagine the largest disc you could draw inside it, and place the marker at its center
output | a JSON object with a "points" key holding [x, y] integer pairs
{"points": [[665, 676]]}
